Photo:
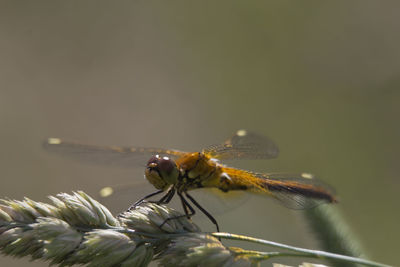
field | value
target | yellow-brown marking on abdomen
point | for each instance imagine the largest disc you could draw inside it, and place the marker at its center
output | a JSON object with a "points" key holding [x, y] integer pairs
{"points": [[245, 180]]}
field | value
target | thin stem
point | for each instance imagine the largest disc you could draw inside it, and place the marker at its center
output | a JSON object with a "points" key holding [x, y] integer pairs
{"points": [[299, 251]]}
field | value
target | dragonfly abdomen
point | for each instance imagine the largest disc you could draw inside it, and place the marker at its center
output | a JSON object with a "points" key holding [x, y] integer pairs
{"points": [[295, 188], [294, 191]]}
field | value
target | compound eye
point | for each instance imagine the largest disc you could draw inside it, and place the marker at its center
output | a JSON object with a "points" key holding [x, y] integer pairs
{"points": [[153, 161], [166, 165]]}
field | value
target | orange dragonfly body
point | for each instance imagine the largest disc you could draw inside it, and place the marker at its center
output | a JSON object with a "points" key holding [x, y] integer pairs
{"points": [[194, 170]]}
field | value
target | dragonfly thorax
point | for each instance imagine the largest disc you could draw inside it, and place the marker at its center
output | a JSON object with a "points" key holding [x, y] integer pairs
{"points": [[197, 171], [191, 171]]}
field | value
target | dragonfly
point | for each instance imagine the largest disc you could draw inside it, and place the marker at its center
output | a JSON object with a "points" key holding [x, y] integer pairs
{"points": [[174, 172]]}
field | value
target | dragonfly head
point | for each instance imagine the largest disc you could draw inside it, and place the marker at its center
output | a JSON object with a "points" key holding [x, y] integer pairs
{"points": [[161, 172]]}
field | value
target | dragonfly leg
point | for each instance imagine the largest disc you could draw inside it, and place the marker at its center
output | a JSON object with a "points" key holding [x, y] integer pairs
{"points": [[212, 219], [140, 201], [164, 200], [167, 198], [189, 211], [187, 206]]}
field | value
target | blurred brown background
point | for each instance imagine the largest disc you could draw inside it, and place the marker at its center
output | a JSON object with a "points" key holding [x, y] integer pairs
{"points": [[320, 78]]}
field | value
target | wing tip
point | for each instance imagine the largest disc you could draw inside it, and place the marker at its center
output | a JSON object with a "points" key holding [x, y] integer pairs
{"points": [[53, 141], [242, 132]]}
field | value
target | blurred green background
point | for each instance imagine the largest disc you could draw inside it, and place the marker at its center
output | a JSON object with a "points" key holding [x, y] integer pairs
{"points": [[320, 78]]}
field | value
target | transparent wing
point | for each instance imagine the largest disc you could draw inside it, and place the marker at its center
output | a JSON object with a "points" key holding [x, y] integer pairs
{"points": [[106, 155], [244, 145], [119, 197], [218, 202], [295, 191]]}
